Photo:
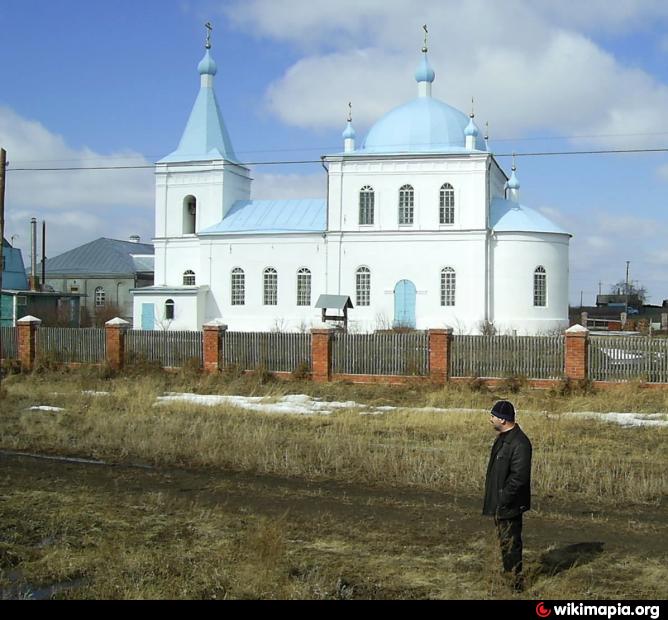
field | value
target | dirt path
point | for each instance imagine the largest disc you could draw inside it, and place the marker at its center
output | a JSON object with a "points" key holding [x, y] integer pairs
{"points": [[405, 521]]}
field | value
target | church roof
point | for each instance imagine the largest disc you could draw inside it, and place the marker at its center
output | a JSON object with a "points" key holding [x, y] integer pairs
{"points": [[205, 136], [100, 257], [273, 216], [509, 216]]}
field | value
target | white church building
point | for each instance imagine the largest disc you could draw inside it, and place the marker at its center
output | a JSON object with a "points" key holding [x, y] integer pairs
{"points": [[420, 227]]}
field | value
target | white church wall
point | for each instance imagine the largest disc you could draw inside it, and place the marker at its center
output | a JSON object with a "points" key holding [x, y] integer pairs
{"points": [[515, 258], [188, 308], [426, 176], [286, 254]]}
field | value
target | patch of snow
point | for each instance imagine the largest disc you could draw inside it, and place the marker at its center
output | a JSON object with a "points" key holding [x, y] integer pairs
{"points": [[94, 393], [45, 408], [625, 419]]}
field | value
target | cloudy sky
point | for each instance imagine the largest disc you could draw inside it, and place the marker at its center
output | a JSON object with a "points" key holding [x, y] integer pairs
{"points": [[86, 84]]}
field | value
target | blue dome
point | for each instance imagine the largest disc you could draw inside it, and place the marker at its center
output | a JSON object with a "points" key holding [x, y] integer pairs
{"points": [[349, 132], [207, 66], [424, 72], [421, 125], [513, 182], [471, 128]]}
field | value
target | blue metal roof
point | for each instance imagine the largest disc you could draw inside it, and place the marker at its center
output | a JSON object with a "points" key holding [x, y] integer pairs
{"points": [[509, 216], [101, 257], [423, 125], [273, 216], [205, 136], [14, 273]]}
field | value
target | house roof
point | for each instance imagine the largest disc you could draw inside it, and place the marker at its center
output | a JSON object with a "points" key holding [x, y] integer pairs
{"points": [[273, 216], [100, 257]]}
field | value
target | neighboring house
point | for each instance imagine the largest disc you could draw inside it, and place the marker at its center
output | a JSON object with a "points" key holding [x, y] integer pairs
{"points": [[420, 227], [104, 271], [17, 301]]}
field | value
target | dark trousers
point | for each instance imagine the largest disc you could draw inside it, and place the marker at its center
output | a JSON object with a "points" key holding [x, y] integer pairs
{"points": [[510, 538]]}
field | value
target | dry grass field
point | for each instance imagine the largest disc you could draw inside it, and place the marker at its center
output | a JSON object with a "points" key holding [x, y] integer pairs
{"points": [[229, 503]]}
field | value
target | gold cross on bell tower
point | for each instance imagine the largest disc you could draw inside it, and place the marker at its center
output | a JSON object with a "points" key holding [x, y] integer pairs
{"points": [[209, 28]]}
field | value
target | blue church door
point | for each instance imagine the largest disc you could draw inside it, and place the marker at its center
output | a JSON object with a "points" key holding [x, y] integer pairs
{"points": [[147, 316], [404, 304]]}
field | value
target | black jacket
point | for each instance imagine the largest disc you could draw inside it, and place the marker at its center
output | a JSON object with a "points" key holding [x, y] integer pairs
{"points": [[508, 482]]}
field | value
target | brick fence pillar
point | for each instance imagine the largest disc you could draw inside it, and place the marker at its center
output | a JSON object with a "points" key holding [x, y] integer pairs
{"points": [[114, 334], [321, 355], [440, 353], [28, 327], [214, 332], [576, 345]]}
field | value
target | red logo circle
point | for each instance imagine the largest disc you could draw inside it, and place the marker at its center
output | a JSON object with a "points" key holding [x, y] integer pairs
{"points": [[542, 611]]}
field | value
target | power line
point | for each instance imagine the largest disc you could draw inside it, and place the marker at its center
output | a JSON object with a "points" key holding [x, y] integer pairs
{"points": [[317, 161]]}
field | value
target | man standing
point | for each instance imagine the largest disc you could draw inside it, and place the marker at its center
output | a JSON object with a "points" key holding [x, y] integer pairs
{"points": [[508, 487]]}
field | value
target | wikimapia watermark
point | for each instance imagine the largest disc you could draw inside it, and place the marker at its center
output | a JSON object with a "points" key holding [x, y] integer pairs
{"points": [[604, 611]]}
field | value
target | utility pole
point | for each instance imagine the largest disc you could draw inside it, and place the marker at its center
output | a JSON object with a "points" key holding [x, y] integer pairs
{"points": [[626, 288], [3, 165]]}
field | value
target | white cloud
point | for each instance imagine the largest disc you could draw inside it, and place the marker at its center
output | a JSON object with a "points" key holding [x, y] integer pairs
{"points": [[286, 186], [529, 65], [78, 205]]}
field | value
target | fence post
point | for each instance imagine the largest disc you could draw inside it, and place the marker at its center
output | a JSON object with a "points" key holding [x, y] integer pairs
{"points": [[321, 355], [114, 334], [440, 354], [214, 331], [27, 344], [576, 345]]}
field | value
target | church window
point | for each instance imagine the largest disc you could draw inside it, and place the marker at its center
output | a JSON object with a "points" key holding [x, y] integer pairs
{"points": [[406, 203], [270, 288], [447, 204], [366, 205], [448, 286], [189, 214], [304, 287], [363, 286], [169, 309], [540, 287], [189, 278], [238, 287], [100, 297]]}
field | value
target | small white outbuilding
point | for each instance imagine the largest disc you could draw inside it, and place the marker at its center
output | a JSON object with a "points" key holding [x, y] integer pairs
{"points": [[420, 226]]}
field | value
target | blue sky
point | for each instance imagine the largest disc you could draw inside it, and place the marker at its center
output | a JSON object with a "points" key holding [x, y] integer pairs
{"points": [[92, 83]]}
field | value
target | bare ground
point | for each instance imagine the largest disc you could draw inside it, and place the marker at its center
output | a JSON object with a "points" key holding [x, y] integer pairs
{"points": [[336, 540]]}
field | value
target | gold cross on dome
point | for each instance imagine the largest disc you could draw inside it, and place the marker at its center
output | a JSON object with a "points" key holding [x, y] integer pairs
{"points": [[426, 32]]}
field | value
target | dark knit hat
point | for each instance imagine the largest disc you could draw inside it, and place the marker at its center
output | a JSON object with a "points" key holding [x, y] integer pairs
{"points": [[504, 409]]}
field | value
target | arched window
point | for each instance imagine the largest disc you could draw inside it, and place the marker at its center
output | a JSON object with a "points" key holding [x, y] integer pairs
{"points": [[100, 297], [540, 287], [304, 287], [366, 205], [363, 286], [446, 212], [189, 214], [270, 287], [169, 309], [406, 202], [448, 286], [189, 278], [238, 287]]}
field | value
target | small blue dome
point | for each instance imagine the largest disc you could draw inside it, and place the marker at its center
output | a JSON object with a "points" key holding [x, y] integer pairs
{"points": [[424, 72], [423, 125], [207, 65], [513, 182], [349, 132], [471, 128]]}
